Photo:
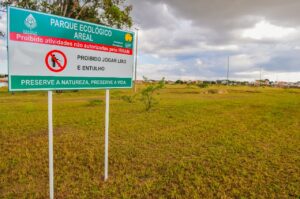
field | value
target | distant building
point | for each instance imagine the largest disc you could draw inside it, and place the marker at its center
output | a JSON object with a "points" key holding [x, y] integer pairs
{"points": [[170, 82], [265, 82], [139, 81], [281, 84], [295, 85], [3, 81]]}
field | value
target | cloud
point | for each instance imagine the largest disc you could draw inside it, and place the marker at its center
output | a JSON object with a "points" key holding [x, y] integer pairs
{"points": [[284, 61], [253, 33], [238, 13], [265, 30]]}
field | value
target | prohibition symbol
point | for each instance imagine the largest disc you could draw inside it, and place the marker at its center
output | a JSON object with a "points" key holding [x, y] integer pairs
{"points": [[56, 61]]}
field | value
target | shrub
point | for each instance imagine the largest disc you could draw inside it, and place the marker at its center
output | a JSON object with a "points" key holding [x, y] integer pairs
{"points": [[203, 85], [128, 98], [179, 82], [147, 94], [95, 102]]}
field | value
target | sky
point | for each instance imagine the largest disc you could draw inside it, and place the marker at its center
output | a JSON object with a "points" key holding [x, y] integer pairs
{"points": [[194, 39], [3, 55]]}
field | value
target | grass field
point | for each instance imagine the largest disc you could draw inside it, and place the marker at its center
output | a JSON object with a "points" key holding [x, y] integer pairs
{"points": [[243, 143]]}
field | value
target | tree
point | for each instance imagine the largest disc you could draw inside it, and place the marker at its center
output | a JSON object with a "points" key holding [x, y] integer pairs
{"points": [[179, 81], [114, 13], [1, 33]]}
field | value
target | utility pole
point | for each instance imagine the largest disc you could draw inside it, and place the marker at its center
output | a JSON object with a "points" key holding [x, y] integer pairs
{"points": [[228, 71], [260, 77], [136, 54]]}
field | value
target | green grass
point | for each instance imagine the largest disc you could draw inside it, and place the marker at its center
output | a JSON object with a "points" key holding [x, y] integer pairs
{"points": [[196, 143]]}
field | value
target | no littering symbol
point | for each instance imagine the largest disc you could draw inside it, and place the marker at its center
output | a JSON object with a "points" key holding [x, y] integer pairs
{"points": [[56, 61]]}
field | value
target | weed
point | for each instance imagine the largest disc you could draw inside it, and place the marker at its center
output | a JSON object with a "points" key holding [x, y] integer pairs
{"points": [[95, 102], [128, 98]]}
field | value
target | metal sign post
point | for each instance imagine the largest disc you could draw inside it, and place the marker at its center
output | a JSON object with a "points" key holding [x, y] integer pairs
{"points": [[106, 135], [50, 129], [136, 54]]}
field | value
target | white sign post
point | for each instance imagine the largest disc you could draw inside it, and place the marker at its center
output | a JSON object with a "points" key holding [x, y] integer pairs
{"points": [[106, 135], [50, 126], [48, 52]]}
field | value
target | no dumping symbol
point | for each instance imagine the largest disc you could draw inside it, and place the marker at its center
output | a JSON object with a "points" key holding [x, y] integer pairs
{"points": [[56, 61]]}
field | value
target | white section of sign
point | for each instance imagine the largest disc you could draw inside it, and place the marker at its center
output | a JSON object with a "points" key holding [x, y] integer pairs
{"points": [[30, 59]]}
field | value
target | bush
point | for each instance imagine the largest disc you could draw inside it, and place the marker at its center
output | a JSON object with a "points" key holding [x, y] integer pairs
{"points": [[128, 98], [179, 82], [147, 94], [203, 85], [95, 102]]}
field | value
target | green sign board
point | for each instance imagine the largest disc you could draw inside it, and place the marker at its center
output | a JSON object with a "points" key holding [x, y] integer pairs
{"points": [[48, 52]]}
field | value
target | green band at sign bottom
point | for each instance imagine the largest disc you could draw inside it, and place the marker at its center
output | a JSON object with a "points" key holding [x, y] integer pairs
{"points": [[57, 82]]}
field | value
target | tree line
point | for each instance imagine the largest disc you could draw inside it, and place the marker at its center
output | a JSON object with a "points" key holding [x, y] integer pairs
{"points": [[114, 13]]}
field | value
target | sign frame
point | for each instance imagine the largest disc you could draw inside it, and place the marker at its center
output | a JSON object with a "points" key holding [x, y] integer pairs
{"points": [[128, 79]]}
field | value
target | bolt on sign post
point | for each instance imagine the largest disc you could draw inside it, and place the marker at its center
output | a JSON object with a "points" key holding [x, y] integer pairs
{"points": [[48, 52]]}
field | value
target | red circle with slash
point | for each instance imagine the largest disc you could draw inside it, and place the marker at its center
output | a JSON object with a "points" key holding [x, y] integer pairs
{"points": [[57, 66]]}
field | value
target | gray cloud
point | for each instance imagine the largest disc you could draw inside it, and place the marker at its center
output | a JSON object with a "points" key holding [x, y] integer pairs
{"points": [[184, 31], [235, 13]]}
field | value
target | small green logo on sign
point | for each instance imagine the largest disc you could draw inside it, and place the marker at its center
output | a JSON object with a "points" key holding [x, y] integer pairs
{"points": [[30, 22]]}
